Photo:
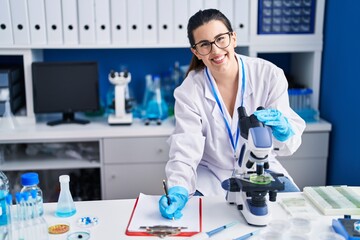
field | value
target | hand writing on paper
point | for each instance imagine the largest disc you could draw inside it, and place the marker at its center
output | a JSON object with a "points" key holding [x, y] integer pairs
{"points": [[170, 205]]}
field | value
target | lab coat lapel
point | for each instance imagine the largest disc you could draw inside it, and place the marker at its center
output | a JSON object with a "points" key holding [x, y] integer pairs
{"points": [[215, 112], [248, 84]]}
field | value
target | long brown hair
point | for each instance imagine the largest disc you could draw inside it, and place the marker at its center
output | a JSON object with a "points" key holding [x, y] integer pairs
{"points": [[198, 19]]}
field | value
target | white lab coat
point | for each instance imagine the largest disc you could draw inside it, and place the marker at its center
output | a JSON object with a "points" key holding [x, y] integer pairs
{"points": [[201, 155]]}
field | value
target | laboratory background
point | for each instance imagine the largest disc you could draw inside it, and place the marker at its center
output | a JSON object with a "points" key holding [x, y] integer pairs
{"points": [[334, 59]]}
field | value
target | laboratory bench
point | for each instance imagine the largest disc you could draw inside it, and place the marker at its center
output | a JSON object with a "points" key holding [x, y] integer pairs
{"points": [[136, 153], [113, 217]]}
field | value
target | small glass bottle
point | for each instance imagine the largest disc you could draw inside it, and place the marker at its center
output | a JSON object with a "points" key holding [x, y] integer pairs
{"points": [[30, 182], [65, 205]]}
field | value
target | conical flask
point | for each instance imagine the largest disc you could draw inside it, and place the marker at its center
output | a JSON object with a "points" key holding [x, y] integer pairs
{"points": [[65, 205]]}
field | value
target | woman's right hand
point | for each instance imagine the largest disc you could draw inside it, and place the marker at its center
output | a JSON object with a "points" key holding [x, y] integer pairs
{"points": [[177, 197]]}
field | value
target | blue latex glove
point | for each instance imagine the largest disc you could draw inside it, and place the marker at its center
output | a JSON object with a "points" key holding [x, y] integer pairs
{"points": [[178, 198], [279, 124]]}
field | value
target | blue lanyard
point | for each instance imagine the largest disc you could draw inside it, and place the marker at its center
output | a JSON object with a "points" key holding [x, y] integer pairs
{"points": [[234, 144]]}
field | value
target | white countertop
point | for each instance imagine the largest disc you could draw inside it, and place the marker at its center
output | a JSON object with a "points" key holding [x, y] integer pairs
{"points": [[114, 215], [99, 128], [94, 130]]}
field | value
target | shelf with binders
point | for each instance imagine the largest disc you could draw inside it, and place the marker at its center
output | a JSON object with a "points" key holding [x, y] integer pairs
{"points": [[110, 23]]}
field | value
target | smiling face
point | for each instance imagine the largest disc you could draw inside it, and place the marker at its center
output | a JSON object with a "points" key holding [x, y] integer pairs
{"points": [[218, 60]]}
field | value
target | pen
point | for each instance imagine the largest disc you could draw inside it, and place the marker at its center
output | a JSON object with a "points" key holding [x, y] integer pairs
{"points": [[246, 236], [167, 194], [209, 234], [166, 191]]}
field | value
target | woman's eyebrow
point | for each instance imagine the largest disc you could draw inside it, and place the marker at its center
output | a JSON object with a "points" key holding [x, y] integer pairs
{"points": [[216, 36]]}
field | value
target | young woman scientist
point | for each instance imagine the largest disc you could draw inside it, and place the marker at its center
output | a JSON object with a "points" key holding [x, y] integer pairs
{"points": [[206, 141]]}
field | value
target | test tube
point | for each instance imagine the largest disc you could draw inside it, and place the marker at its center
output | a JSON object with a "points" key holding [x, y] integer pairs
{"points": [[39, 223], [9, 215], [26, 215]]}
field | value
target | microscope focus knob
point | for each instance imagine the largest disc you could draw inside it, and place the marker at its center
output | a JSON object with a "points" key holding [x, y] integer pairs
{"points": [[266, 165], [272, 196]]}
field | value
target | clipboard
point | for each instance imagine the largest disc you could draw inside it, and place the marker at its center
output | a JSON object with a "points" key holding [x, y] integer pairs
{"points": [[146, 217]]}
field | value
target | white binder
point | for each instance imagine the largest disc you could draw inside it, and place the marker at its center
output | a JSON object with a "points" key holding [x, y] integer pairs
{"points": [[227, 8], [135, 22], [70, 21], [54, 21], [166, 22], [86, 11], [150, 26], [181, 18], [102, 21], [241, 21], [118, 12], [37, 23], [195, 6], [20, 24], [6, 35], [211, 4]]}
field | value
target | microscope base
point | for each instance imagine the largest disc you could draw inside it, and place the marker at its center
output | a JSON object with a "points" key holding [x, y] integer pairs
{"points": [[255, 220], [239, 198], [127, 119]]}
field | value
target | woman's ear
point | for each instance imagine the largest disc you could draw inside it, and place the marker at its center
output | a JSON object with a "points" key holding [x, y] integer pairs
{"points": [[195, 53], [234, 37]]}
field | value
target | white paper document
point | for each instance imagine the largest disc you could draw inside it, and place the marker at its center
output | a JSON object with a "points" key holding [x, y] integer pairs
{"points": [[147, 213]]}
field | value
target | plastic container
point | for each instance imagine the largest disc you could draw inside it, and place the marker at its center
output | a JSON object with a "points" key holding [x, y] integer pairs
{"points": [[300, 102], [4, 190], [300, 98], [65, 205], [30, 182]]}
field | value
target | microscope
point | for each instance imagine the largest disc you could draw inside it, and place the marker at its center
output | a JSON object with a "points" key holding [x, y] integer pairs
{"points": [[122, 116], [250, 183]]}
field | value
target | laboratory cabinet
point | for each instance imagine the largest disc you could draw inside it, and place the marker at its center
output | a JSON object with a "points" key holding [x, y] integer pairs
{"points": [[133, 165], [308, 165]]}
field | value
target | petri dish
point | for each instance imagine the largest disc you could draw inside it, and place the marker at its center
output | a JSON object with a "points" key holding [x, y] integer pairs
{"points": [[300, 225], [83, 235], [330, 236], [296, 236], [279, 225], [260, 179], [59, 228], [270, 235]]}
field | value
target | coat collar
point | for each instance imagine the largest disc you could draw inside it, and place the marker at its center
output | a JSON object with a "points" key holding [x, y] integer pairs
{"points": [[248, 84]]}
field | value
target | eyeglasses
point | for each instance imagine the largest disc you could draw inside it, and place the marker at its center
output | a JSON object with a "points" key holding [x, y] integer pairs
{"points": [[221, 41]]}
